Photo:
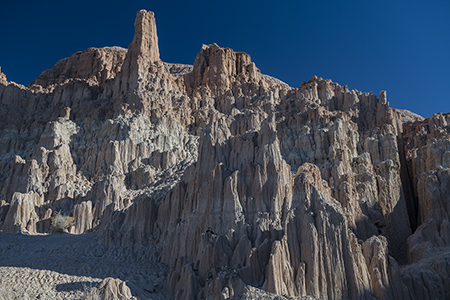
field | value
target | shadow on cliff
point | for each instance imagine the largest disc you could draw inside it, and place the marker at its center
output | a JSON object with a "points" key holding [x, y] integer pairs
{"points": [[398, 249]]}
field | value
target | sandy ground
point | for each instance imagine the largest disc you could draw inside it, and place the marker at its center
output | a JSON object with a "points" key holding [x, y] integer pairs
{"points": [[63, 266]]}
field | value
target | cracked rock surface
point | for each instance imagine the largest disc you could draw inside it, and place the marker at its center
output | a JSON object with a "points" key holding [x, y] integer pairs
{"points": [[215, 181]]}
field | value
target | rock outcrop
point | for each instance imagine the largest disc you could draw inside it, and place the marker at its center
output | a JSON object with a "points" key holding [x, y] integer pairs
{"points": [[92, 65], [111, 288], [244, 185], [2, 76]]}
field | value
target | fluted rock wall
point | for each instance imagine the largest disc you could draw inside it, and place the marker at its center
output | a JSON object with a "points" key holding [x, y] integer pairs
{"points": [[236, 178]]}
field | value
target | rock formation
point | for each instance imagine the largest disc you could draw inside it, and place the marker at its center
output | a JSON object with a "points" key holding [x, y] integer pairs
{"points": [[246, 186], [111, 288], [2, 76]]}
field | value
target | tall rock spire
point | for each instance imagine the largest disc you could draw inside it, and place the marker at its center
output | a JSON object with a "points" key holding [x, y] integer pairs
{"points": [[145, 41], [141, 63]]}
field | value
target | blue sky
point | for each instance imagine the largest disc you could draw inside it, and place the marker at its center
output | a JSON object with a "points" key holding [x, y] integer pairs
{"points": [[399, 46]]}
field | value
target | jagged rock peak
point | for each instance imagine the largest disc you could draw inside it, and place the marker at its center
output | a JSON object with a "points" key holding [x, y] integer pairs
{"points": [[222, 66], [144, 153], [2, 76], [408, 116], [145, 41], [94, 65]]}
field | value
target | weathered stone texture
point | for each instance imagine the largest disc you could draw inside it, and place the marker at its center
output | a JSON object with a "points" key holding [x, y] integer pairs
{"points": [[244, 185]]}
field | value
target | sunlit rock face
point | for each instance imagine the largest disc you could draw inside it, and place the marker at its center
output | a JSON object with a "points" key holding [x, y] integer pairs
{"points": [[246, 186]]}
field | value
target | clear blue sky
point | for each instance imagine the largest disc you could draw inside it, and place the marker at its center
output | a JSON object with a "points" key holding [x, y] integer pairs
{"points": [[399, 46]]}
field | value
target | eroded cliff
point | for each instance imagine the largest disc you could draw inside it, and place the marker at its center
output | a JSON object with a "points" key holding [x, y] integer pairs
{"points": [[237, 179]]}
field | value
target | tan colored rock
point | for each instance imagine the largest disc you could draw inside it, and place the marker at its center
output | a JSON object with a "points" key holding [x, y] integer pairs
{"points": [[383, 269], [65, 115], [408, 116], [24, 177], [434, 231], [94, 65], [240, 184], [2, 77], [426, 142], [145, 42], [82, 217], [111, 288], [427, 279], [219, 69], [226, 79], [22, 212]]}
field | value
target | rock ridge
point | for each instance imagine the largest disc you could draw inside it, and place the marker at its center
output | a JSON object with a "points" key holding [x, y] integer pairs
{"points": [[240, 184]]}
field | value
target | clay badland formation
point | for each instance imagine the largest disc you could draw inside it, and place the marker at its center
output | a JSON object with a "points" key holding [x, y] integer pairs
{"points": [[214, 181]]}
